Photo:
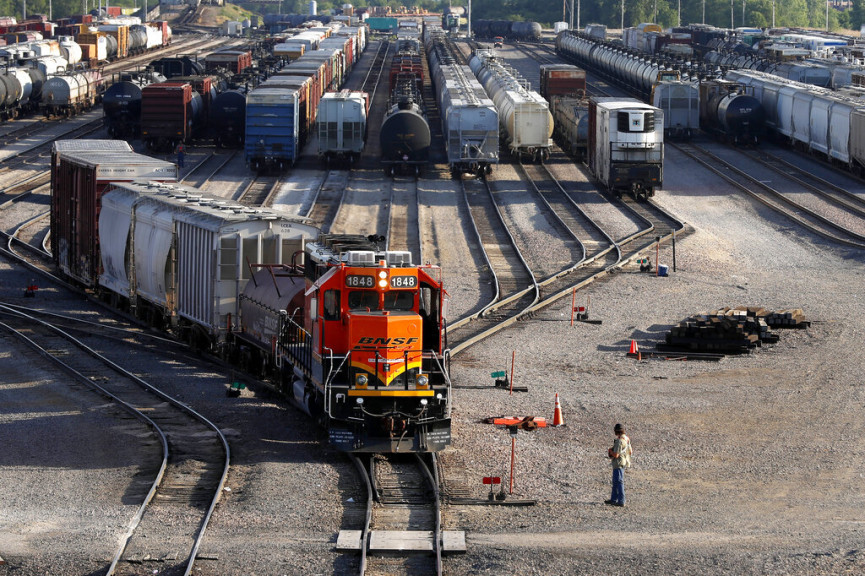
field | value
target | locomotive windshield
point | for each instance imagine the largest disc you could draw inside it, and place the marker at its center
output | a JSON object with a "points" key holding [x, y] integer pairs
{"points": [[399, 300], [363, 300]]}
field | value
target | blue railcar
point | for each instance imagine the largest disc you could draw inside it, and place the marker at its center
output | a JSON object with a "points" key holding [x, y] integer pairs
{"points": [[272, 128]]}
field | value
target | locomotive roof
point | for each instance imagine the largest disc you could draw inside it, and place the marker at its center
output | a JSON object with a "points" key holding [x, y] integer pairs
{"points": [[354, 250]]}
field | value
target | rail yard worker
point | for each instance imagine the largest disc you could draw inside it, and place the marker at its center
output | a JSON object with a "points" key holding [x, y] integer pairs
{"points": [[620, 457], [180, 152]]}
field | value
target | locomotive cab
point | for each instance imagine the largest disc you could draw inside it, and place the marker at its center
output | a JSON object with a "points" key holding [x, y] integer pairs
{"points": [[376, 323]]}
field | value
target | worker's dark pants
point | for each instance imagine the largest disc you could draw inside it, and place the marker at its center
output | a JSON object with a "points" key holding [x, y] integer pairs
{"points": [[618, 495]]}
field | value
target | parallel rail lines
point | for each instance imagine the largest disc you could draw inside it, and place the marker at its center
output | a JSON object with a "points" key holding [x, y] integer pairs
{"points": [[516, 287], [782, 202], [195, 455], [204, 171], [328, 200], [404, 221]]}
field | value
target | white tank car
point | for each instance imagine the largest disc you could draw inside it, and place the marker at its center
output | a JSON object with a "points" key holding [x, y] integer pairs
{"points": [[523, 114]]}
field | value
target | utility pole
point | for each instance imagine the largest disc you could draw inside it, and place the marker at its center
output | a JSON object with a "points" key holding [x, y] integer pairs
{"points": [[623, 16]]}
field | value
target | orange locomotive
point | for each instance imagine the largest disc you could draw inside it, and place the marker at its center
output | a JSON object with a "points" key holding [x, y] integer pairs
{"points": [[356, 336]]}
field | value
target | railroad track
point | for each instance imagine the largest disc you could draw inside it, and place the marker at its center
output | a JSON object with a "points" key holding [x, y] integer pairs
{"points": [[517, 289], [206, 169], [402, 234], [260, 191], [599, 250], [327, 200], [819, 215], [402, 532], [833, 193], [188, 478]]}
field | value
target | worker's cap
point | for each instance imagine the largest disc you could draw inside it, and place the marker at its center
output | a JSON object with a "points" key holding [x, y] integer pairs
{"points": [[618, 429]]}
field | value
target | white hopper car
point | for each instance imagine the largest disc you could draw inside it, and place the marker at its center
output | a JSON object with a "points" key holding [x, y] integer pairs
{"points": [[180, 258], [470, 122], [523, 114], [341, 125]]}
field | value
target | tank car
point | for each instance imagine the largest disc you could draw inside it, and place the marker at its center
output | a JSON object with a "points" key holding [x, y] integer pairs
{"points": [[121, 103], [71, 93], [356, 337], [564, 87], [523, 115], [177, 66], [227, 118], [727, 109], [470, 123], [405, 134], [525, 31], [626, 145]]}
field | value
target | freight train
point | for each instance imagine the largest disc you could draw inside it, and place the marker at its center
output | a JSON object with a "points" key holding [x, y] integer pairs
{"points": [[816, 120], [352, 334], [356, 336], [36, 55], [121, 103], [512, 29], [734, 114], [564, 87], [524, 116], [470, 122], [281, 111], [405, 133]]}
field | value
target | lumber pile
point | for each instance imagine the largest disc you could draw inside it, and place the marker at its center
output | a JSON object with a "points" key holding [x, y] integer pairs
{"points": [[730, 330]]}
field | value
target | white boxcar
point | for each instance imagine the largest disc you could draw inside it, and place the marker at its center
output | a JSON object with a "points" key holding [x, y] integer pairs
{"points": [[172, 250], [523, 114], [341, 125], [626, 145]]}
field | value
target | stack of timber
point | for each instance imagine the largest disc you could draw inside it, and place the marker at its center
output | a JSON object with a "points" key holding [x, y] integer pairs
{"points": [[730, 330]]}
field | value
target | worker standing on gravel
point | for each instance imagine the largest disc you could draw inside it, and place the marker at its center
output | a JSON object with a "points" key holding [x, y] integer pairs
{"points": [[181, 151], [620, 457]]}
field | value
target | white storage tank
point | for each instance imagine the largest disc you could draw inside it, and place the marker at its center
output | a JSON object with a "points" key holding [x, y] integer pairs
{"points": [[313, 8], [559, 27]]}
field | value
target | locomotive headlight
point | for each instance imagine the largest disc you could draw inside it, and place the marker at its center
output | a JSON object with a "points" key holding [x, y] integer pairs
{"points": [[382, 283], [382, 274], [422, 381], [361, 381]]}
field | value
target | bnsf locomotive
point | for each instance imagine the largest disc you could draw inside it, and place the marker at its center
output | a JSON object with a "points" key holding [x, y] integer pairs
{"points": [[357, 338]]}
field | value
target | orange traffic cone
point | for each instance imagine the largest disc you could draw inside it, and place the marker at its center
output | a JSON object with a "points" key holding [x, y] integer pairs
{"points": [[557, 416], [634, 348]]}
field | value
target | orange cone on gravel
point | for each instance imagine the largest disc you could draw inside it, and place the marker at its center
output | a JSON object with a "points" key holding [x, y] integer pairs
{"points": [[558, 420], [634, 348]]}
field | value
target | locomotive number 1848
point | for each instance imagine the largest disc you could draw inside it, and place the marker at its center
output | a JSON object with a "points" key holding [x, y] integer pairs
{"points": [[355, 281], [403, 282]]}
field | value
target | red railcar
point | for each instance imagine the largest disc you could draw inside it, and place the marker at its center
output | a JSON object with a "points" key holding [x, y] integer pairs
{"points": [[171, 112], [235, 61], [562, 80]]}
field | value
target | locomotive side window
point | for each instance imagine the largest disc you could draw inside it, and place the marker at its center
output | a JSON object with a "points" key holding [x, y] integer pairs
{"points": [[228, 257], [331, 305], [363, 299], [399, 300]]}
